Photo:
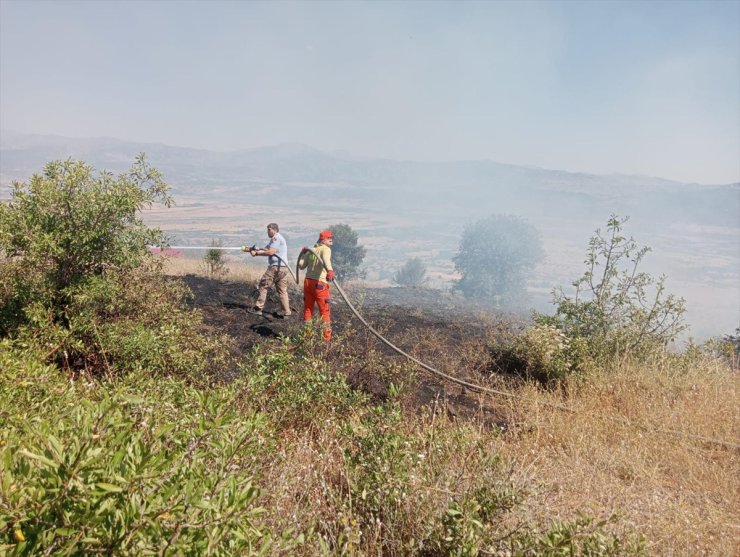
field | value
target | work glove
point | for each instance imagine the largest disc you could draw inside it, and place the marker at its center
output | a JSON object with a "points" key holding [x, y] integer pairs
{"points": [[330, 276], [304, 251]]}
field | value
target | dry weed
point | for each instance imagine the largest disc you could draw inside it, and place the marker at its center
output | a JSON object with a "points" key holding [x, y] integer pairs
{"points": [[633, 446], [311, 484], [237, 269]]}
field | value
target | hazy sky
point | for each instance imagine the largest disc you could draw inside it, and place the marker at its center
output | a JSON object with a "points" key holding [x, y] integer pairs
{"points": [[631, 87]]}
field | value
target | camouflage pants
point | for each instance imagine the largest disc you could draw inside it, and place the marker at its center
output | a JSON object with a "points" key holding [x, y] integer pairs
{"points": [[277, 277]]}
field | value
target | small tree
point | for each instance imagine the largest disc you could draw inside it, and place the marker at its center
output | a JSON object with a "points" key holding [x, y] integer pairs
{"points": [[214, 261], [67, 225], [496, 255], [78, 283], [617, 309], [347, 256], [412, 274]]}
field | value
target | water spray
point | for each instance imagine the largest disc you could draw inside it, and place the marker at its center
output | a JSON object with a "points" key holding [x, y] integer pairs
{"points": [[193, 247], [245, 249]]}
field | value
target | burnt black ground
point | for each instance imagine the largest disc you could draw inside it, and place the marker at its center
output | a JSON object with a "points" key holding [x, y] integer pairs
{"points": [[429, 323]]}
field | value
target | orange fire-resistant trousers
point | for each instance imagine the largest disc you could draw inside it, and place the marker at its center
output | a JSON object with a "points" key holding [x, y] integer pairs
{"points": [[317, 293]]}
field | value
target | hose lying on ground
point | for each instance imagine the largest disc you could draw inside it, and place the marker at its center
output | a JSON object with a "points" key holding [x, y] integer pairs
{"points": [[392, 346]]}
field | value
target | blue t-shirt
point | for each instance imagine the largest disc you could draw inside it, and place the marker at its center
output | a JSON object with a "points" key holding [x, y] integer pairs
{"points": [[277, 242]]}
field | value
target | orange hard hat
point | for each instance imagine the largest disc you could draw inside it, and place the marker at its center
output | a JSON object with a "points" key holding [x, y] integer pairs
{"points": [[325, 234]]}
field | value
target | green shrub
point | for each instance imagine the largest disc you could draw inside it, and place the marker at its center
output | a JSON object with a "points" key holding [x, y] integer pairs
{"points": [[542, 352], [496, 256], [79, 283], [26, 383], [346, 254], [727, 348], [380, 459], [123, 321], [297, 388], [615, 308], [581, 536], [146, 464], [148, 467], [66, 225], [429, 491], [469, 523], [462, 532], [214, 260], [412, 274]]}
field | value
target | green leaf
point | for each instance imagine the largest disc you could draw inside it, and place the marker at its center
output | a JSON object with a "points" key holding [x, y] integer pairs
{"points": [[40, 458], [109, 487], [56, 446]]}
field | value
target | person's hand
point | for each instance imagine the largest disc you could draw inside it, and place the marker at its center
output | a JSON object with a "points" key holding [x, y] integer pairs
{"points": [[304, 251], [330, 276]]}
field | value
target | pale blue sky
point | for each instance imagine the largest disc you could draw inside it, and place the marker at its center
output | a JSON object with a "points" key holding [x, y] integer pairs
{"points": [[630, 87]]}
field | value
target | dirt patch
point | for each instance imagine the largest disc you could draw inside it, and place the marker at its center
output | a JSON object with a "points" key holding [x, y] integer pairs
{"points": [[443, 330]]}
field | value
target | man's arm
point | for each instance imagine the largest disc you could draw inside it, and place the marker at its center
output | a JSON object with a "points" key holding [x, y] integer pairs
{"points": [[326, 256], [267, 250]]}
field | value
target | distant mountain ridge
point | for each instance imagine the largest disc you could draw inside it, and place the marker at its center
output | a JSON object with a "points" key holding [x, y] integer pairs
{"points": [[21, 150], [527, 190]]}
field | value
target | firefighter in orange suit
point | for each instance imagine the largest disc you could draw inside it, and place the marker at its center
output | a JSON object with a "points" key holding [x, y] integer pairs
{"points": [[319, 274]]}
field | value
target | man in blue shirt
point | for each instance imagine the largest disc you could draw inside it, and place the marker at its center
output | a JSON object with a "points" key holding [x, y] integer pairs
{"points": [[276, 274]]}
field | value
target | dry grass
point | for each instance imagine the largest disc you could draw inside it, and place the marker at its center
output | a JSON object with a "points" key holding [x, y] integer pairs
{"points": [[238, 269], [633, 446], [630, 447], [310, 483]]}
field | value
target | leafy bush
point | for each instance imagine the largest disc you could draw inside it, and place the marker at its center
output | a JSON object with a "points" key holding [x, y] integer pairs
{"points": [[581, 536], [412, 274], [124, 321], [346, 255], [296, 388], [616, 308], [727, 348], [542, 352], [67, 225], [152, 464], [79, 282], [496, 255], [380, 461], [468, 524], [146, 468]]}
